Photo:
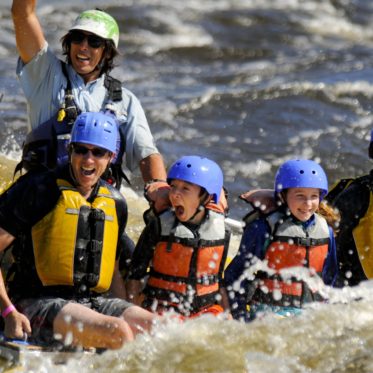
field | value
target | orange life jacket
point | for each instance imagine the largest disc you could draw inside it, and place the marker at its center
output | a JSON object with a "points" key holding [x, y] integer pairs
{"points": [[187, 265], [214, 310], [292, 245]]}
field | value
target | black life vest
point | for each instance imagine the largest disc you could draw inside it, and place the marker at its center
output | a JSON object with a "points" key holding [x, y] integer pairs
{"points": [[353, 197]]}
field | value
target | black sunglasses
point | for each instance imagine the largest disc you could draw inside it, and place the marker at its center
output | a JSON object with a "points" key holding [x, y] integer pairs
{"points": [[94, 41], [96, 152]]}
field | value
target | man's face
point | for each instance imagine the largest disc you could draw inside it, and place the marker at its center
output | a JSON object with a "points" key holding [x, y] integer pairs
{"points": [[88, 163], [86, 52]]}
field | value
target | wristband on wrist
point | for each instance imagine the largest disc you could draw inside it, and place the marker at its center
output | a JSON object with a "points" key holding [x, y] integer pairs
{"points": [[8, 310]]}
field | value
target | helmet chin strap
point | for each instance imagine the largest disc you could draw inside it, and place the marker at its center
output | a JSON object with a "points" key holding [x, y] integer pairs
{"points": [[198, 210], [282, 197], [201, 207]]}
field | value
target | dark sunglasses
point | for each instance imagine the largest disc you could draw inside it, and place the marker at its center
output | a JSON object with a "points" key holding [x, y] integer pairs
{"points": [[94, 41], [96, 152]]}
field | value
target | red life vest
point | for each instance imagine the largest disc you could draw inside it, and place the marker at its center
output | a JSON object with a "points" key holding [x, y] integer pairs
{"points": [[187, 265], [292, 245]]}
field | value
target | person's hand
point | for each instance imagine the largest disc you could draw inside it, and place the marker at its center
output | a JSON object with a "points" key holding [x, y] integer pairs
{"points": [[17, 325], [156, 192], [261, 199]]}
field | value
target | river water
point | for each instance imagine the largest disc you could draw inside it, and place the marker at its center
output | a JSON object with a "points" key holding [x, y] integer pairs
{"points": [[250, 84]]}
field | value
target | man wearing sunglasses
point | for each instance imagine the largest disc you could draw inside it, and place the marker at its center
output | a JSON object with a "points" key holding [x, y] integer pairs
{"points": [[66, 227], [56, 92]]}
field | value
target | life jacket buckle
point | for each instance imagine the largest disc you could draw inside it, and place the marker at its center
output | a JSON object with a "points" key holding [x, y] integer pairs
{"points": [[97, 215], [61, 115], [95, 246], [92, 279]]}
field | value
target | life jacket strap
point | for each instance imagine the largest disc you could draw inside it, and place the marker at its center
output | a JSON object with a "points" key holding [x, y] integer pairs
{"points": [[114, 87]]}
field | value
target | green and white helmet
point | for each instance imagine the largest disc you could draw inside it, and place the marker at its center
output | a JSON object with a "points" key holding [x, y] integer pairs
{"points": [[99, 23]]}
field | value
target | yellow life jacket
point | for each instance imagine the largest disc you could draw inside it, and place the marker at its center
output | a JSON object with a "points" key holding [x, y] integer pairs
{"points": [[363, 237], [76, 242]]}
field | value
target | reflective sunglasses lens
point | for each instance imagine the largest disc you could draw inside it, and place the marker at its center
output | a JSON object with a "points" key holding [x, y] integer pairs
{"points": [[96, 152], [77, 37], [94, 41], [80, 150]]}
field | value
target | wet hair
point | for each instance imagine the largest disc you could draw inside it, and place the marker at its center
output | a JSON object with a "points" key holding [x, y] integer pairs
{"points": [[331, 215], [107, 60]]}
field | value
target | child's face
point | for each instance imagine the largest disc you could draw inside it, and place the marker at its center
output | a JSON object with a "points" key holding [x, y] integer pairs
{"points": [[185, 199], [303, 202]]}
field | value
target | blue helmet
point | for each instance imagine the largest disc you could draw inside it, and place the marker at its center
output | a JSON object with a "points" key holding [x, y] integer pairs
{"points": [[200, 171], [301, 173], [97, 129]]}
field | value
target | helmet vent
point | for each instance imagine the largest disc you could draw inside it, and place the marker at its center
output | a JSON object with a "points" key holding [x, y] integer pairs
{"points": [[200, 171], [96, 129], [302, 173]]}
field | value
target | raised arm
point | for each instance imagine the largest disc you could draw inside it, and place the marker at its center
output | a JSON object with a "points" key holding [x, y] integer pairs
{"points": [[29, 34]]}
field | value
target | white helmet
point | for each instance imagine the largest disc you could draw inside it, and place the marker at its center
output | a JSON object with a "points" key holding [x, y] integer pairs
{"points": [[99, 23]]}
